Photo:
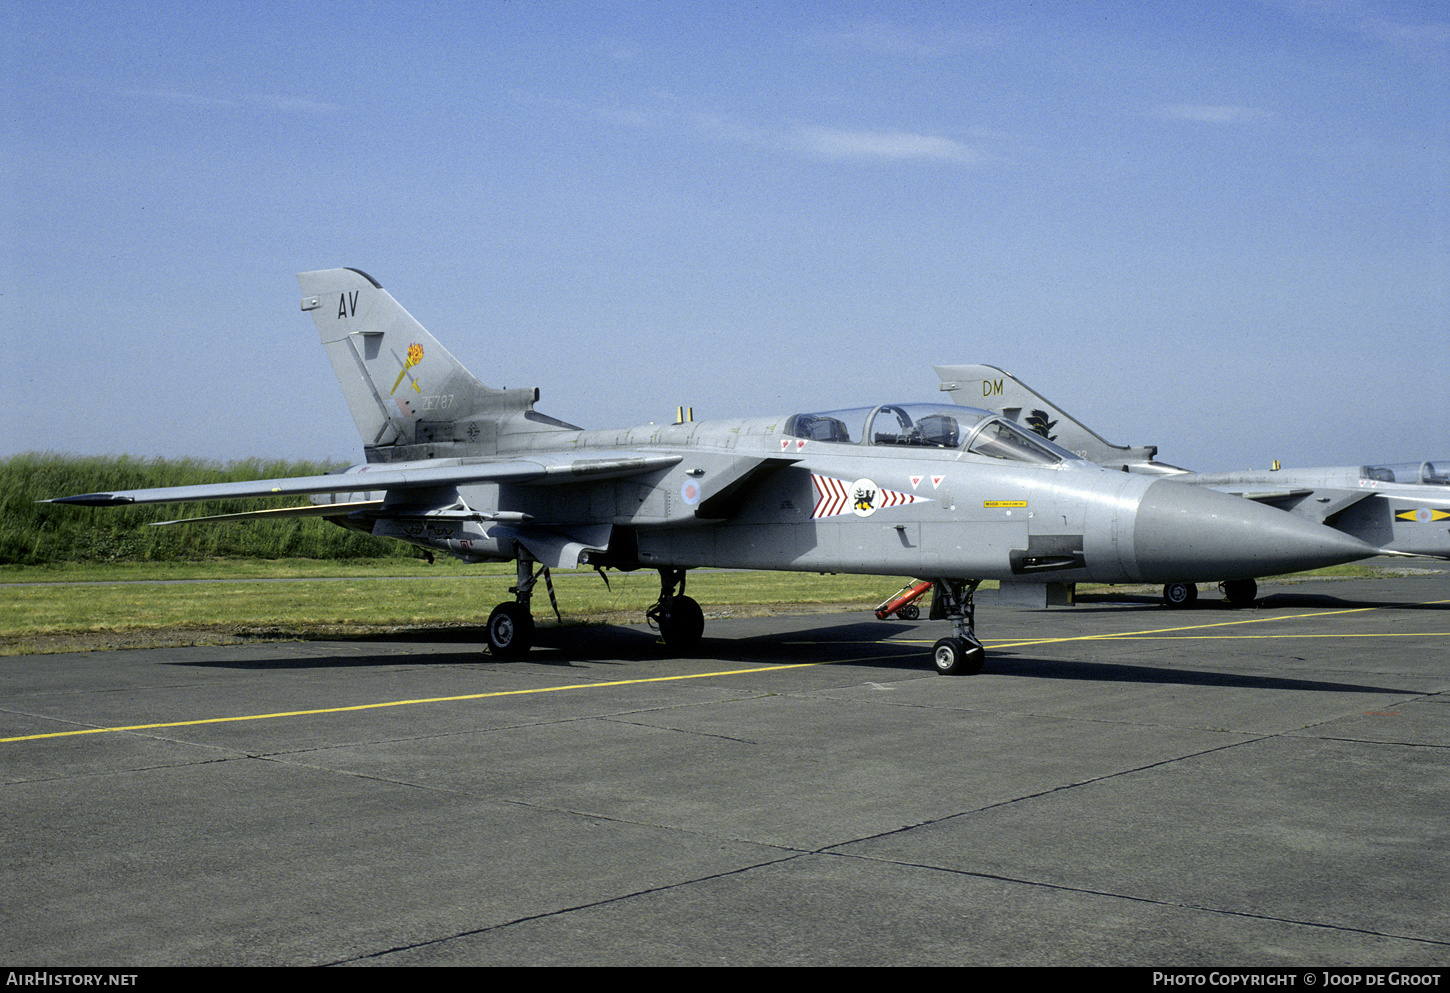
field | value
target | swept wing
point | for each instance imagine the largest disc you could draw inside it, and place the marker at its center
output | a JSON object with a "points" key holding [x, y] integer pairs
{"points": [[601, 466]]}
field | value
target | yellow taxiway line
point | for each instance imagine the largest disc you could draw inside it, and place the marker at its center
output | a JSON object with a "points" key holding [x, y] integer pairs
{"points": [[1144, 635], [1119, 636], [404, 703]]}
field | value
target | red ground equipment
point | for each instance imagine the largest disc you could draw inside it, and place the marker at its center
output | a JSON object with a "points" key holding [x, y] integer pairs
{"points": [[902, 603]]}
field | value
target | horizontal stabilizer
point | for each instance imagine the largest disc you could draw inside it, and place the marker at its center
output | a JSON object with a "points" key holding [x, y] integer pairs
{"points": [[1316, 503]]}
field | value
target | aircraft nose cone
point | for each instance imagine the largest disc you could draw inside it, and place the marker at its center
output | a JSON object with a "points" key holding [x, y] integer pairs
{"points": [[1187, 533]]}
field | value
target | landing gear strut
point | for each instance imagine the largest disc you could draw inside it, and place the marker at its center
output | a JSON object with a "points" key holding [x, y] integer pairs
{"points": [[678, 618], [511, 625], [961, 654]]}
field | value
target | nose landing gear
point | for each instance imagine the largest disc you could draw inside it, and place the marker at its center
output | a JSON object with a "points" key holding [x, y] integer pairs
{"points": [[962, 653]]}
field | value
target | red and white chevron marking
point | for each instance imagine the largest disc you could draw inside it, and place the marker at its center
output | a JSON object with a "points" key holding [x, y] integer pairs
{"points": [[832, 497], [891, 498], [862, 497]]}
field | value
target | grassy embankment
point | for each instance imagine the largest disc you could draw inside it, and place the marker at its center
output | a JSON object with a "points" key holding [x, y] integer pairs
{"points": [[40, 534]]}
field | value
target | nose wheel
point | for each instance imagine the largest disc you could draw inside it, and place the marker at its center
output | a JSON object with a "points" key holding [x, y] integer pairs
{"points": [[961, 654], [958, 656]]}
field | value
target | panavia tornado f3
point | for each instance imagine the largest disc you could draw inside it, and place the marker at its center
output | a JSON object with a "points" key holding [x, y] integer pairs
{"points": [[955, 494], [1401, 509]]}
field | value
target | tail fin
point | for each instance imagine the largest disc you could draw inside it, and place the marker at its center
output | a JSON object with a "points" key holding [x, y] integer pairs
{"points": [[990, 387], [411, 399]]}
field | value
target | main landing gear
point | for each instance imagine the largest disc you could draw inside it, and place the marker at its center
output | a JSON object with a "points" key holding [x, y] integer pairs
{"points": [[1238, 592], [678, 618], [1180, 595], [511, 625], [961, 654]]}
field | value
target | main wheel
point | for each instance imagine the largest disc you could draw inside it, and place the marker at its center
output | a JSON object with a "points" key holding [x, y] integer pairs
{"points": [[510, 630], [1240, 592], [957, 657], [682, 625], [1180, 594]]}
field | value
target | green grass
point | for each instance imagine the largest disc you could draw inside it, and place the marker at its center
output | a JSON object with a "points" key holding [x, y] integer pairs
{"points": [[37, 533], [370, 595]]}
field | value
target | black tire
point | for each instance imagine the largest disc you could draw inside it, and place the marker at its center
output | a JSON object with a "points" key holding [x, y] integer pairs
{"points": [[909, 613], [1179, 595], [683, 624], [510, 630], [955, 657], [1241, 592]]}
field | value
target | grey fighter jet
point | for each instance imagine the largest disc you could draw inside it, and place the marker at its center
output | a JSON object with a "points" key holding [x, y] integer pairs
{"points": [[1400, 509], [956, 494]]}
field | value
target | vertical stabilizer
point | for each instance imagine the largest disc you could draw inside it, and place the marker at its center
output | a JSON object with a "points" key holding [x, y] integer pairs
{"points": [[989, 387], [411, 399]]}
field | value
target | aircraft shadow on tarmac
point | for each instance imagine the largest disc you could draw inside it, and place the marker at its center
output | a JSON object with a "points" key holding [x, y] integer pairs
{"points": [[1117, 672], [1110, 603], [563, 646]]}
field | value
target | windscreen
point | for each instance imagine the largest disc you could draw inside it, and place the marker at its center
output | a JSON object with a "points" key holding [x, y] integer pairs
{"points": [[999, 439]]}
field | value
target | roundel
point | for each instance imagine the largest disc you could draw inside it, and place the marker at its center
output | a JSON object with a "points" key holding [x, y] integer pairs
{"points": [[690, 492]]}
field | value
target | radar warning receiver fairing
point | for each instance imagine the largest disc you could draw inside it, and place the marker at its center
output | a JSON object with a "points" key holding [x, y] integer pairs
{"points": [[1400, 509], [955, 494]]}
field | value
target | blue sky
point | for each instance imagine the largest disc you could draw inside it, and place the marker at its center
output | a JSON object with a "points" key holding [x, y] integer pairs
{"points": [[1217, 228]]}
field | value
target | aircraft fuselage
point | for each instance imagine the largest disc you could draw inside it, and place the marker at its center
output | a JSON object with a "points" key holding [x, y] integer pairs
{"points": [[820, 506]]}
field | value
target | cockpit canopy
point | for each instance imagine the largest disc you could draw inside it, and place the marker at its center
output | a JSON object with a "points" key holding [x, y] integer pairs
{"points": [[924, 425], [1434, 473]]}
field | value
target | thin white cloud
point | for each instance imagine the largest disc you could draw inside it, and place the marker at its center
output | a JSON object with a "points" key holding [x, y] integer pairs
{"points": [[835, 143], [621, 49], [274, 101], [1394, 23], [279, 101], [1211, 113], [885, 38], [179, 97]]}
